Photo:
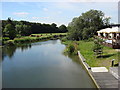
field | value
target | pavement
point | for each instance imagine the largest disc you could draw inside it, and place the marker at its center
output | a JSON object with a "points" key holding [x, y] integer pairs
{"points": [[104, 78], [114, 72], [99, 69]]}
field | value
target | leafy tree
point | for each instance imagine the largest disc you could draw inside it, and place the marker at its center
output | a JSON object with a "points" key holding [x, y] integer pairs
{"points": [[9, 20], [18, 29], [63, 28], [87, 24], [54, 27], [23, 28], [26, 30], [97, 48], [10, 31]]}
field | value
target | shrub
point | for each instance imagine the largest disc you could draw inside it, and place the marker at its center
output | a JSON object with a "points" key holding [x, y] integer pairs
{"points": [[71, 48], [5, 38], [64, 39], [97, 48], [10, 42]]}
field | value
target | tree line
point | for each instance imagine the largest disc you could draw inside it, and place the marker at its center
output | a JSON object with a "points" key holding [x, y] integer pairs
{"points": [[87, 25], [81, 28], [12, 28]]}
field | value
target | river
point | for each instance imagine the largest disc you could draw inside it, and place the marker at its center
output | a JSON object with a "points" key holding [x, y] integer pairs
{"points": [[42, 65]]}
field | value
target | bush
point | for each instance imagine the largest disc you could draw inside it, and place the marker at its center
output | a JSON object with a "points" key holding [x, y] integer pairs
{"points": [[10, 42], [64, 39], [5, 38], [22, 40], [71, 48], [97, 48]]}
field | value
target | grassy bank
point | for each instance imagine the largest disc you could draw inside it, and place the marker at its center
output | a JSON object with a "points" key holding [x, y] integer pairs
{"points": [[85, 48], [34, 38]]}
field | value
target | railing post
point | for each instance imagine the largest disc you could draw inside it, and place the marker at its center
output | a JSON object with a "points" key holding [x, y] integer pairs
{"points": [[113, 62]]}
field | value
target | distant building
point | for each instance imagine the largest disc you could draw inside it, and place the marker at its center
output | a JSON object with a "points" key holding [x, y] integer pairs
{"points": [[111, 36]]}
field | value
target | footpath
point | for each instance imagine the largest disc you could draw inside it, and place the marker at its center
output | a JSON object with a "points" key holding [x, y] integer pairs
{"points": [[101, 77]]}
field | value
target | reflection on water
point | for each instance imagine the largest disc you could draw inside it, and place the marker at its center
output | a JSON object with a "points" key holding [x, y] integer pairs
{"points": [[0, 54], [10, 50], [42, 65]]}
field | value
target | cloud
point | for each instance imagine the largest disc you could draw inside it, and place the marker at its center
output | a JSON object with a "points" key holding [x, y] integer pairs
{"points": [[107, 16], [45, 9], [36, 18], [21, 14]]}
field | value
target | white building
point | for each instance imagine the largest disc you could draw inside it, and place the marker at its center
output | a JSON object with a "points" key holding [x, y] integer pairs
{"points": [[111, 36]]}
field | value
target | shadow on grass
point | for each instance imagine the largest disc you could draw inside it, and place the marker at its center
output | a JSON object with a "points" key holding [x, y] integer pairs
{"points": [[116, 64], [106, 56]]}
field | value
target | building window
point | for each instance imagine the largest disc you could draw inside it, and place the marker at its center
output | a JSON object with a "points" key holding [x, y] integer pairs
{"points": [[101, 34]]}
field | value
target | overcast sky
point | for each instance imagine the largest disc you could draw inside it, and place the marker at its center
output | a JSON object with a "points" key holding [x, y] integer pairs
{"points": [[55, 12]]}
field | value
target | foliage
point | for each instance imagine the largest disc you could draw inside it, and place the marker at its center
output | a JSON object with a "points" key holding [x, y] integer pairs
{"points": [[10, 31], [86, 49], [86, 25], [36, 37], [63, 28], [25, 28], [10, 42], [97, 48], [72, 48], [64, 39]]}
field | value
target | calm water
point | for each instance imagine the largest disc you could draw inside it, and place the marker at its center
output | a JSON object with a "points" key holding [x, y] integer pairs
{"points": [[42, 65]]}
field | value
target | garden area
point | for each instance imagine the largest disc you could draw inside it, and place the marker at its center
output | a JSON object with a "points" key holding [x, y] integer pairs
{"points": [[86, 49]]}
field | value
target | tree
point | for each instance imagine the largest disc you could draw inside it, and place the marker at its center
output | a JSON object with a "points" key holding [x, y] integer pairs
{"points": [[97, 48], [26, 30], [54, 27], [9, 20], [18, 29], [87, 24], [63, 28], [23, 30], [10, 31], [22, 27]]}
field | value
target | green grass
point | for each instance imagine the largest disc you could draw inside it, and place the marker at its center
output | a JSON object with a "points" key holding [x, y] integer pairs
{"points": [[105, 61], [33, 38], [85, 48], [44, 34]]}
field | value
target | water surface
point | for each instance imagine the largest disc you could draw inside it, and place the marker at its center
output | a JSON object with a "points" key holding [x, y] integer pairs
{"points": [[42, 65]]}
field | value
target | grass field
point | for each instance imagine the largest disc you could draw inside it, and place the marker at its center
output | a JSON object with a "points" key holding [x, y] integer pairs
{"points": [[85, 48], [33, 37], [44, 34]]}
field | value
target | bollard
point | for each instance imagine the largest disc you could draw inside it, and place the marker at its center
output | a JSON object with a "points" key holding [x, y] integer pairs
{"points": [[113, 62]]}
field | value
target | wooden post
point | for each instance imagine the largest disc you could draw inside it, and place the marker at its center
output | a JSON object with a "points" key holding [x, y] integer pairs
{"points": [[113, 62]]}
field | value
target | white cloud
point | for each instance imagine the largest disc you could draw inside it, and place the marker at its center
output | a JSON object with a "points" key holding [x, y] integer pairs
{"points": [[21, 14], [45, 9], [106, 16], [36, 18]]}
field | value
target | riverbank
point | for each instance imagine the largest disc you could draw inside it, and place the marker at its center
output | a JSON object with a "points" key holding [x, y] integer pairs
{"points": [[87, 67], [85, 48], [97, 67], [101, 77], [34, 38]]}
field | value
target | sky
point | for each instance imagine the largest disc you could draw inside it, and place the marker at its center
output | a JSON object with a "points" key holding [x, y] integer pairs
{"points": [[55, 12]]}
